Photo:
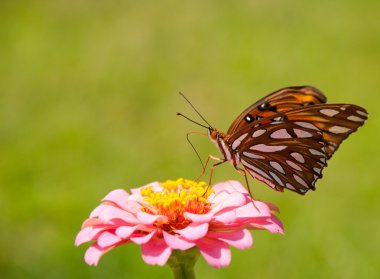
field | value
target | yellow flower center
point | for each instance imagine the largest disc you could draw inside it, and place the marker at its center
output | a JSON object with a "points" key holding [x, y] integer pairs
{"points": [[176, 198]]}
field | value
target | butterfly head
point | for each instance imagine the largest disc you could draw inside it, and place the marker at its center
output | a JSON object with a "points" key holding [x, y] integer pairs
{"points": [[214, 134]]}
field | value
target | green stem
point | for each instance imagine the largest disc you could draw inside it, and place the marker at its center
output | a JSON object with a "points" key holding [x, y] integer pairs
{"points": [[182, 263]]}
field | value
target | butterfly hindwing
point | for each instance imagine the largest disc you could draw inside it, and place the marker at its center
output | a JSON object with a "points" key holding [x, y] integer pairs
{"points": [[284, 155], [336, 121]]}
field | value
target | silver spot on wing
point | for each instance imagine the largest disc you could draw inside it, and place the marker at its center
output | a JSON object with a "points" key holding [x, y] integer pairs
{"points": [[300, 180], [258, 133], [302, 133], [338, 129], [277, 166], [252, 155], [238, 141], [267, 148], [329, 112], [298, 157], [280, 134], [293, 165], [279, 181]]}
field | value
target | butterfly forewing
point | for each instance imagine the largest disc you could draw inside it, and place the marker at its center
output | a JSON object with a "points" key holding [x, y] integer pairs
{"points": [[289, 149], [282, 100]]}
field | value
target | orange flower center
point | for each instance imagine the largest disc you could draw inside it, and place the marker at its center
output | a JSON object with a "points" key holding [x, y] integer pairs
{"points": [[175, 198]]}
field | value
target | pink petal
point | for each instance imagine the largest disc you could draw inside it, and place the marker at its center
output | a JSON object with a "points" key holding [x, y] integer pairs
{"points": [[96, 231], [94, 253], [198, 218], [232, 200], [218, 199], [241, 239], [125, 231], [143, 238], [107, 239], [112, 212], [133, 206], [251, 210], [272, 224], [273, 207], [91, 222], [194, 231], [97, 210], [137, 198], [226, 217], [118, 196], [277, 225], [88, 234], [83, 236], [156, 252], [229, 186], [216, 252], [149, 219], [177, 242]]}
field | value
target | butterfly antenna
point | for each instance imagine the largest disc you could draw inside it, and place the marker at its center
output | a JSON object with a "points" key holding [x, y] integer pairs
{"points": [[180, 114], [196, 152], [187, 100]]}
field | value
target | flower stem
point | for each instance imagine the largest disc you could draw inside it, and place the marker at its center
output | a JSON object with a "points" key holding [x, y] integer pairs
{"points": [[182, 263]]}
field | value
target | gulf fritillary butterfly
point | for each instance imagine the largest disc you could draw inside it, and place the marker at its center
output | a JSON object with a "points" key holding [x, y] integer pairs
{"points": [[285, 139]]}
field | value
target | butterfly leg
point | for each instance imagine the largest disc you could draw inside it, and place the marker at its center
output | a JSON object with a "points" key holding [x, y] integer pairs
{"points": [[206, 163], [244, 173], [221, 161], [212, 169]]}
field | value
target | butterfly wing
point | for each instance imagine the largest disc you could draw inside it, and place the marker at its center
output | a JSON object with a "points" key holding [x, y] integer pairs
{"points": [[290, 149], [282, 100]]}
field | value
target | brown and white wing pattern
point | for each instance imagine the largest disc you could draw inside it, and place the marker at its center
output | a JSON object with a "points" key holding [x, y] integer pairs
{"points": [[290, 149], [285, 99], [336, 121]]}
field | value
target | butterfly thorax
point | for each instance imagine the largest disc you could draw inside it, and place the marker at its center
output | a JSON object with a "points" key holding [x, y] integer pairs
{"points": [[229, 154]]}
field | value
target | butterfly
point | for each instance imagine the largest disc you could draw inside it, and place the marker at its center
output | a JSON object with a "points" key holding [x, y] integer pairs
{"points": [[285, 139]]}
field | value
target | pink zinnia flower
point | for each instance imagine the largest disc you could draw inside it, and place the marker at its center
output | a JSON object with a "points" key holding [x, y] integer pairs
{"points": [[181, 214]]}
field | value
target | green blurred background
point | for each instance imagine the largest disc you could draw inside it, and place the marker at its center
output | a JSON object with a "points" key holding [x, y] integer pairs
{"points": [[88, 96]]}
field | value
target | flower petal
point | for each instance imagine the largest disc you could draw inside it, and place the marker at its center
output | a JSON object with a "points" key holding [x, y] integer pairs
{"points": [[107, 239], [97, 210], [194, 231], [271, 224], [216, 252], [91, 222], [251, 210], [149, 219], [177, 242], [125, 231], [112, 212], [156, 252], [229, 186], [118, 197], [241, 239], [232, 200], [142, 239], [83, 236], [94, 253], [225, 217], [198, 218]]}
